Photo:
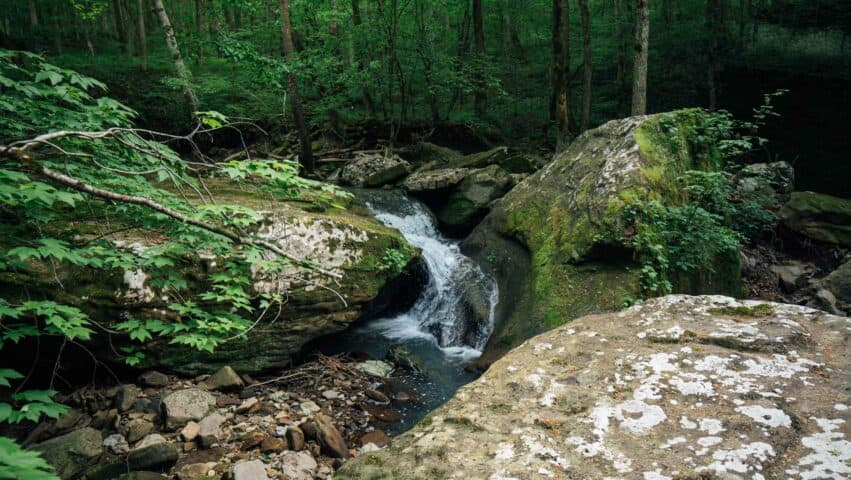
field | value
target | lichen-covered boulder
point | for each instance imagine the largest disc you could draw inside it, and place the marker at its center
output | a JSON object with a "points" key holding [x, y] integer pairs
{"points": [[428, 181], [470, 201], [555, 241], [72, 453], [678, 387], [374, 170], [818, 216], [839, 283], [348, 242]]}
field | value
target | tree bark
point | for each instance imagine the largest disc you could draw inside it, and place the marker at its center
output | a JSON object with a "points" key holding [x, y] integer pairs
{"points": [[179, 65], [140, 26], [639, 71], [306, 157], [621, 60], [587, 67], [714, 25], [561, 71], [33, 11], [479, 35], [201, 27]]}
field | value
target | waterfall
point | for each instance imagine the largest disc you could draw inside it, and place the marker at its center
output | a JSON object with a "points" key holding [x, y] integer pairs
{"points": [[456, 308]]}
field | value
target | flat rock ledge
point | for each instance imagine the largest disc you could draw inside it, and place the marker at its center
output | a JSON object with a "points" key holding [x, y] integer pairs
{"points": [[679, 387]]}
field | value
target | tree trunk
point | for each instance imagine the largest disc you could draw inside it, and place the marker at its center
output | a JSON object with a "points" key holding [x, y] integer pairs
{"points": [[714, 21], [561, 71], [120, 30], [357, 20], [639, 70], [140, 26], [621, 60], [57, 29], [587, 66], [33, 14], [201, 27], [479, 35], [306, 157], [179, 65]]}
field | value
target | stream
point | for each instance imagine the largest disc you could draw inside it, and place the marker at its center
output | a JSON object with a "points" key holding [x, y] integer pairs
{"points": [[447, 326]]}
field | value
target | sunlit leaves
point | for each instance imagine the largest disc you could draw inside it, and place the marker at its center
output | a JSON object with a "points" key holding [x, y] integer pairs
{"points": [[21, 464]]}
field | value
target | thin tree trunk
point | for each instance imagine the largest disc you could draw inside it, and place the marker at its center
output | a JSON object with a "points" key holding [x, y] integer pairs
{"points": [[140, 26], [621, 60], [120, 30], [306, 157], [587, 67], [639, 71], [33, 11], [479, 35], [179, 65], [357, 20], [714, 21], [57, 29], [561, 71], [201, 27]]}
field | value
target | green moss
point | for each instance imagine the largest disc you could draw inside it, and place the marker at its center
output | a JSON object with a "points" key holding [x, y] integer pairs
{"points": [[756, 311]]}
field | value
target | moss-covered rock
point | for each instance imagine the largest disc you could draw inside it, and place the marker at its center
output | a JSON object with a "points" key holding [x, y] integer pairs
{"points": [[820, 217], [567, 218], [346, 241]]}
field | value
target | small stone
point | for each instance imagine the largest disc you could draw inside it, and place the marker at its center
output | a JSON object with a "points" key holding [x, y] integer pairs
{"points": [[154, 379], [381, 413], [210, 429], [226, 401], [190, 431], [377, 396], [273, 445], [253, 440], [369, 447], [309, 430], [151, 439], [125, 397], [189, 447], [295, 438], [184, 405], [330, 395], [224, 379], [309, 408], [247, 404], [195, 471], [117, 444], [298, 466], [376, 368], [329, 437], [376, 437], [250, 470]]}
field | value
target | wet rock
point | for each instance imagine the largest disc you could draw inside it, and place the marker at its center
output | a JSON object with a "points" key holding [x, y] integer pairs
{"points": [[209, 429], [383, 414], [376, 396], [184, 405], [329, 437], [125, 397], [137, 429], [376, 368], [190, 431], [376, 437], [374, 170], [298, 466], [295, 438], [154, 379], [116, 443], [71, 453], [250, 470], [157, 457], [470, 200], [677, 387], [403, 357], [820, 217], [151, 439], [224, 379]]}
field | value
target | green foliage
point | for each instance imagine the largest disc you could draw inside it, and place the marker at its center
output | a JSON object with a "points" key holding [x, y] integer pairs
{"points": [[19, 464], [393, 261]]}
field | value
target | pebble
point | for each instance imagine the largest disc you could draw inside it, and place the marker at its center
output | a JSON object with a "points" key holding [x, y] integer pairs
{"points": [[117, 444], [330, 395], [247, 404], [190, 431]]}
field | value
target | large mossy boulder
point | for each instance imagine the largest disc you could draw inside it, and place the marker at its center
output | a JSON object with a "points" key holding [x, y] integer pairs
{"points": [[555, 240], [819, 217], [346, 241], [679, 387], [72, 453], [374, 170]]}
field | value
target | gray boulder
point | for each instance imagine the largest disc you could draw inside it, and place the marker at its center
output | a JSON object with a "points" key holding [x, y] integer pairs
{"points": [[839, 282], [71, 453], [677, 387], [250, 470], [776, 179], [184, 405], [820, 217], [375, 170], [429, 181], [224, 379], [157, 457]]}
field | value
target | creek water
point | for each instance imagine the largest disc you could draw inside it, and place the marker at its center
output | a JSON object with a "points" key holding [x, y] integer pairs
{"points": [[447, 326]]}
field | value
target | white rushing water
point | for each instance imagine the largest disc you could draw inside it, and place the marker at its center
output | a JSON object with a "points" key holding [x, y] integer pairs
{"points": [[456, 308]]}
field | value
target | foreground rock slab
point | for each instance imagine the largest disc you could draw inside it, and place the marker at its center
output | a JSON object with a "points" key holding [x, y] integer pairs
{"points": [[679, 387]]}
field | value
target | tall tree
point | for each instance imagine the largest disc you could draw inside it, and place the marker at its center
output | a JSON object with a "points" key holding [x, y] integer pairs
{"points": [[587, 65], [714, 27], [479, 42], [33, 11], [621, 58], [561, 70], [306, 157], [201, 27], [179, 65], [140, 26], [639, 68]]}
